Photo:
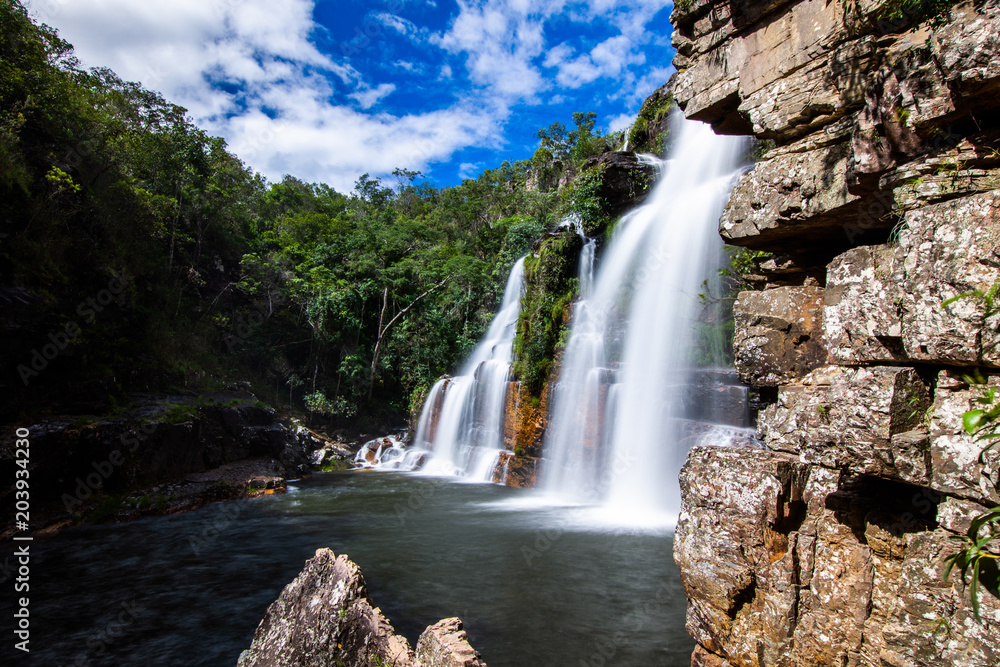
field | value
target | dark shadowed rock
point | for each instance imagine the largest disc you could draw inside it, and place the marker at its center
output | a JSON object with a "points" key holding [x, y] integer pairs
{"points": [[779, 334], [625, 181]]}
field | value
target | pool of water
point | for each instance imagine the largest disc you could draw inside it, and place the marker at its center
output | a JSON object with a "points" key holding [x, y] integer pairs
{"points": [[535, 584]]}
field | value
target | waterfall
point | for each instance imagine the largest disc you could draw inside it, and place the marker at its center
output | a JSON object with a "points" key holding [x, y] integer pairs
{"points": [[460, 431], [622, 414]]}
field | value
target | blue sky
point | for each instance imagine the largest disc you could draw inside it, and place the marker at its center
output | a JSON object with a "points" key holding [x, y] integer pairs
{"points": [[329, 90]]}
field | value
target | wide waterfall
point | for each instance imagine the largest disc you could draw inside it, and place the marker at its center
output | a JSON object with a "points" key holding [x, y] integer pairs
{"points": [[461, 424], [627, 404]]}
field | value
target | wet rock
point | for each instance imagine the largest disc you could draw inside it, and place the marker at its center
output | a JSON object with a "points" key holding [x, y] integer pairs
{"points": [[778, 334], [519, 472], [854, 419], [624, 180], [324, 617], [446, 644]]}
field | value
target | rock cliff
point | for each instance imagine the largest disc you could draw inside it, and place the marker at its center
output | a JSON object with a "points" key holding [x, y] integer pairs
{"points": [[878, 197]]}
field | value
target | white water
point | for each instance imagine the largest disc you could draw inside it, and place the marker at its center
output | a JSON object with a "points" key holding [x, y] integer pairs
{"points": [[461, 424], [615, 436]]}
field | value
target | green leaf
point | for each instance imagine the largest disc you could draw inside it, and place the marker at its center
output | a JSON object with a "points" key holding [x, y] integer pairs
{"points": [[972, 420]]}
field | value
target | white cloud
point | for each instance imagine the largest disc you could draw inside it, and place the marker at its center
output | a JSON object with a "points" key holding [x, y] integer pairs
{"points": [[371, 96], [397, 23], [620, 122], [266, 50], [182, 48], [469, 170]]}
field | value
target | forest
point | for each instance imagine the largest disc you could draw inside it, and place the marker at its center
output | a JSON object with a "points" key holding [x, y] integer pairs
{"points": [[345, 305]]}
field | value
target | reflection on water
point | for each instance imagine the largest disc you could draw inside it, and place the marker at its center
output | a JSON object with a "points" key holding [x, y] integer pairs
{"points": [[533, 586]]}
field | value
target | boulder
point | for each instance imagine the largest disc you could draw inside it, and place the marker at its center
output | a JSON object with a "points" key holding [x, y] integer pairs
{"points": [[445, 644], [778, 334], [324, 617]]}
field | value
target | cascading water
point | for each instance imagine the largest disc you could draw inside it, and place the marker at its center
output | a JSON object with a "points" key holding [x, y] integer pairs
{"points": [[620, 423], [461, 424]]}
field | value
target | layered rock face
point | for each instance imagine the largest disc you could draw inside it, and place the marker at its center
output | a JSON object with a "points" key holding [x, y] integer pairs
{"points": [[879, 199], [324, 617]]}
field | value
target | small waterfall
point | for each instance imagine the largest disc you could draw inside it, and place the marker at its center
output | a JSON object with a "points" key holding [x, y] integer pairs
{"points": [[460, 431], [621, 421]]}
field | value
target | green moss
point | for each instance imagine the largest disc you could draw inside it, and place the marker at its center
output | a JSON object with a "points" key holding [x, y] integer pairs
{"points": [[543, 323], [656, 107]]}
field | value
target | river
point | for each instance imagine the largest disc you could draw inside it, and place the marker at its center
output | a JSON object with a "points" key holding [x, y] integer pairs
{"points": [[536, 585]]}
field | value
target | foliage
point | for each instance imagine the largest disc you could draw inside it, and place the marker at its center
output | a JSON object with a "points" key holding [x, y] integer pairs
{"points": [[896, 15], [651, 115], [544, 318], [977, 556], [339, 303]]}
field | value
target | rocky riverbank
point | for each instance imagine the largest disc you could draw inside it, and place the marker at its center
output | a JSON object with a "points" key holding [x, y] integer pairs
{"points": [[161, 455]]}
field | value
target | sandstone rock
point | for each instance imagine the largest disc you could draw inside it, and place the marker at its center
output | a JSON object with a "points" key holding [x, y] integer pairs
{"points": [[863, 306], [791, 200], [885, 303], [966, 49], [954, 454], [778, 334], [324, 617], [854, 419], [948, 249], [786, 563], [445, 644], [519, 472], [817, 94]]}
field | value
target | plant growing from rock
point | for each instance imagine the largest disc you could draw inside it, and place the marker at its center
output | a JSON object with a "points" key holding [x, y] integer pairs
{"points": [[977, 558]]}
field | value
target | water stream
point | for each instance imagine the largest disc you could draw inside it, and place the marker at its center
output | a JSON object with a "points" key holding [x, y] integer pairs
{"points": [[460, 431], [534, 585], [621, 420]]}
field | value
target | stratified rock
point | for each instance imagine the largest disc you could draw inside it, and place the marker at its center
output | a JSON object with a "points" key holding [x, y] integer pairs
{"points": [[863, 308], [945, 250], [792, 199], [446, 644], [786, 563], [323, 618], [886, 303], [779, 334], [847, 418]]}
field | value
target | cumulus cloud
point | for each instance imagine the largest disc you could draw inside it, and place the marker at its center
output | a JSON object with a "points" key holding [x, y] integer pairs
{"points": [[251, 71], [621, 122]]}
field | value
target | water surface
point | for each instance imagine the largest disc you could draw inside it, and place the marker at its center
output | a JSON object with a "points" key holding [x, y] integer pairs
{"points": [[533, 584]]}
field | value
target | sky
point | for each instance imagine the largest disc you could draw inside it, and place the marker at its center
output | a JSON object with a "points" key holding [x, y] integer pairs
{"points": [[326, 91]]}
